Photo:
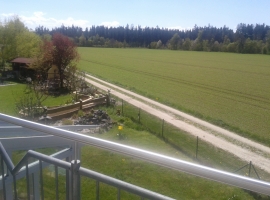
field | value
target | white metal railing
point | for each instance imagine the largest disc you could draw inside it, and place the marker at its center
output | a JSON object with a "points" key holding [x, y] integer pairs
{"points": [[169, 162], [73, 174]]}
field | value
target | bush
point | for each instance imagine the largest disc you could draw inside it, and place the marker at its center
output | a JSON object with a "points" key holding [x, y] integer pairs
{"points": [[30, 103], [67, 122], [81, 113]]}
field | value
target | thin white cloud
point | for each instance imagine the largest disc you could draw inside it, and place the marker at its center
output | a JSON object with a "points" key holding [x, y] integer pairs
{"points": [[8, 14], [39, 18], [110, 24]]}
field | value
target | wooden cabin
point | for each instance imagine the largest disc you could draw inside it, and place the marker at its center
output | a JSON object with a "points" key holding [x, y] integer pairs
{"points": [[21, 67]]}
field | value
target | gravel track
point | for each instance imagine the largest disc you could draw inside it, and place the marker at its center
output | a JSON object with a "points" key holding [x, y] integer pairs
{"points": [[241, 147]]}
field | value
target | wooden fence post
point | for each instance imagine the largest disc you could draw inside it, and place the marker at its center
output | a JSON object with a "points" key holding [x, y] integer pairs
{"points": [[197, 146], [139, 116], [249, 170], [81, 107], [122, 107], [162, 128]]}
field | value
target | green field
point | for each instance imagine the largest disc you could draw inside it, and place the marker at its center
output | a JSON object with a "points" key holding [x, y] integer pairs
{"points": [[230, 90]]}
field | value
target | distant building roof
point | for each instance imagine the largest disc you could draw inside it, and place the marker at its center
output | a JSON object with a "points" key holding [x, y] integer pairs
{"points": [[23, 60]]}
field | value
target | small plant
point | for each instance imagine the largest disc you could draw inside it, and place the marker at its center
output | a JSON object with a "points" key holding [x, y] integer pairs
{"points": [[120, 135], [75, 116], [71, 100], [67, 122], [80, 113], [30, 103]]}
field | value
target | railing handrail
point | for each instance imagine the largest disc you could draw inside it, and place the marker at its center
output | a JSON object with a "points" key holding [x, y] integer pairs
{"points": [[166, 161]]}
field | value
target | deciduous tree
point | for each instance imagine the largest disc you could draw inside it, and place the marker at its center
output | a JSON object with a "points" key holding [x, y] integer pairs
{"points": [[62, 52], [268, 41], [175, 42], [187, 44], [16, 40]]}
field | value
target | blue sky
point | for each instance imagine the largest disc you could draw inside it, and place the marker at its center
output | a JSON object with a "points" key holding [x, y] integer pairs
{"points": [[163, 13]]}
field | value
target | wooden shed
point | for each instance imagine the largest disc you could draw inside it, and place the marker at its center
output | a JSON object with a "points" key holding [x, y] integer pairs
{"points": [[22, 67]]}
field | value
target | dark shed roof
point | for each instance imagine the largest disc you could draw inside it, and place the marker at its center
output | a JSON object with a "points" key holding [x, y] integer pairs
{"points": [[22, 60]]}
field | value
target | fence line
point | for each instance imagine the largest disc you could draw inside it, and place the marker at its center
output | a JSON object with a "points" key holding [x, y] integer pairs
{"points": [[165, 134]]}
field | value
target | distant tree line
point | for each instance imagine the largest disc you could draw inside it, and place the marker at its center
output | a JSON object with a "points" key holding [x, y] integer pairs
{"points": [[247, 38]]}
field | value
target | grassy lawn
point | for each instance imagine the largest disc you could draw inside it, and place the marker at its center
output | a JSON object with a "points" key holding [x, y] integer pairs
{"points": [[166, 181], [230, 90], [10, 94]]}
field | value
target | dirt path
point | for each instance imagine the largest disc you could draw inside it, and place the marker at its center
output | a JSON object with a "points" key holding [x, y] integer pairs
{"points": [[241, 147]]}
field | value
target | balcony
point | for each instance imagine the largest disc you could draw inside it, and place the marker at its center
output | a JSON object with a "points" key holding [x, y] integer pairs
{"points": [[18, 134]]}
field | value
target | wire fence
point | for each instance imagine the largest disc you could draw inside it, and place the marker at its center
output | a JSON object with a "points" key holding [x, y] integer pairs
{"points": [[192, 146]]}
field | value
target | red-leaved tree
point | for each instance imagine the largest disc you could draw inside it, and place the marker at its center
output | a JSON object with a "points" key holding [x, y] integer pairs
{"points": [[60, 51]]}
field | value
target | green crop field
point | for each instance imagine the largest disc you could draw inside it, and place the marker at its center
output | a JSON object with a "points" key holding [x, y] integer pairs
{"points": [[230, 90]]}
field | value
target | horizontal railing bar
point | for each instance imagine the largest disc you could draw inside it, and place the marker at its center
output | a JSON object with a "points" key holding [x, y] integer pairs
{"points": [[169, 162], [49, 159], [50, 141], [76, 127], [122, 185], [65, 127], [41, 157], [10, 127]]}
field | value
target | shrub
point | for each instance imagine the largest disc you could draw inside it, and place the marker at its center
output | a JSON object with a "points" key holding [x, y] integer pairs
{"points": [[81, 113], [67, 122]]}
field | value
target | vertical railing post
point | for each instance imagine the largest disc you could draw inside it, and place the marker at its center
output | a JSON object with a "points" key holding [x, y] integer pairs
{"points": [[97, 190], [3, 178], [56, 182], [36, 181], [15, 187], [68, 186], [75, 165], [41, 180], [118, 194], [9, 188], [27, 180]]}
